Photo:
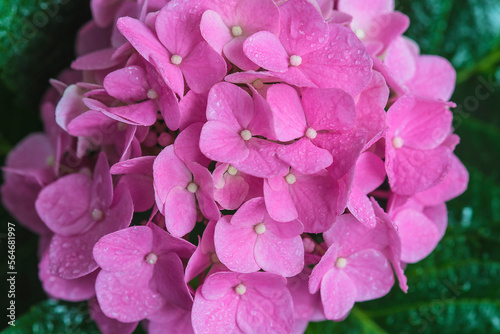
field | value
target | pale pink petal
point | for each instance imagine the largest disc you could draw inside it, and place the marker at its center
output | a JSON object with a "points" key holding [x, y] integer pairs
{"points": [[280, 256], [288, 115], [338, 294], [221, 143], [370, 172], [434, 78], [203, 68], [127, 84], [235, 54], [235, 246], [360, 207], [262, 160], [205, 310], [214, 30], [279, 201], [371, 272], [264, 48], [180, 211], [304, 156], [187, 145], [230, 104]]}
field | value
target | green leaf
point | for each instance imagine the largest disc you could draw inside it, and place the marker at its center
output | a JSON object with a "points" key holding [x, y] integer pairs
{"points": [[467, 32]]}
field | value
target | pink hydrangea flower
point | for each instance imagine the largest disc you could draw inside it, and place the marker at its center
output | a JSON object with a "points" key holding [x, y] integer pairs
{"points": [[240, 303]]}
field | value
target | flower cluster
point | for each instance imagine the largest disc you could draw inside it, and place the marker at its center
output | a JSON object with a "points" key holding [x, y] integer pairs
{"points": [[304, 146]]}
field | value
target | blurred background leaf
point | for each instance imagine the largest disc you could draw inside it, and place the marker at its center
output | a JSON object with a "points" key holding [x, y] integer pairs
{"points": [[454, 290]]}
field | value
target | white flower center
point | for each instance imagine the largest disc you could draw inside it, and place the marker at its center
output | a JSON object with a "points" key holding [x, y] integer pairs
{"points": [[290, 178], [360, 33], [176, 59], [121, 126], [152, 94], [397, 142], [260, 228], [295, 60], [231, 170], [151, 258], [246, 135], [51, 161], [240, 289], [236, 31], [341, 263], [97, 214], [258, 84], [192, 187], [311, 133]]}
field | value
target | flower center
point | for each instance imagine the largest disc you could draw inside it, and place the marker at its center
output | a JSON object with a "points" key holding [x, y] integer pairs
{"points": [[260, 228], [236, 31], [258, 84], [295, 60], [192, 187], [151, 258], [341, 263], [397, 142], [240, 289], [360, 33], [176, 59], [51, 161], [152, 94], [231, 170], [246, 135], [97, 214], [290, 178], [121, 126], [311, 133]]}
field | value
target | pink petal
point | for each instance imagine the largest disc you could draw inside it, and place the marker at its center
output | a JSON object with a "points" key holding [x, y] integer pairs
{"points": [[64, 212], [220, 143], [434, 78], [142, 165], [251, 213], [304, 156], [102, 185], [123, 250], [187, 145], [328, 109], [361, 208], [279, 201], [180, 211], [400, 60], [280, 256], [108, 325], [288, 115], [264, 48], [127, 84], [96, 60], [205, 311], [203, 68], [230, 104], [333, 67], [419, 235], [338, 294], [214, 30], [235, 54], [370, 172], [141, 190], [235, 246], [372, 274]]}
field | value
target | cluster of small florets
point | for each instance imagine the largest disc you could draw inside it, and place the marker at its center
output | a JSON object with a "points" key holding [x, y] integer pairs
{"points": [[242, 166]]}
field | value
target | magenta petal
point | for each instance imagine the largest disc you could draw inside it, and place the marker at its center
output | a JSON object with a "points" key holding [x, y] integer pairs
{"points": [[141, 189], [280, 256], [230, 104], [288, 115], [142, 113], [371, 272], [332, 67], [96, 60], [187, 145], [411, 171], [214, 30], [127, 84], [102, 185], [419, 235], [328, 109], [170, 74], [75, 290], [221, 143], [265, 49], [315, 198], [235, 54], [279, 202], [203, 68], [434, 78], [250, 213], [168, 280], [142, 165], [370, 172], [180, 211], [266, 313], [338, 294], [123, 249], [205, 192], [235, 246], [108, 325], [204, 311], [262, 160], [66, 213], [89, 124], [233, 192], [126, 296], [305, 157], [361, 208]]}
